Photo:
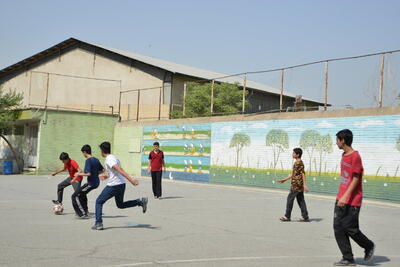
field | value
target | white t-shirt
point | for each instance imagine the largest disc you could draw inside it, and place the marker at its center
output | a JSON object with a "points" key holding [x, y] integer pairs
{"points": [[114, 177]]}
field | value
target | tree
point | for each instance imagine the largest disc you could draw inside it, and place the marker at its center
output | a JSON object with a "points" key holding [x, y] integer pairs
{"points": [[324, 146], [398, 143], [309, 141], [9, 102], [227, 100], [239, 141], [278, 140]]}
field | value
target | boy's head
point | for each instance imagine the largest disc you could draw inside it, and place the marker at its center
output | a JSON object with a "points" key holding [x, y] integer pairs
{"points": [[105, 148], [344, 138], [156, 145], [86, 151], [64, 157], [297, 152]]}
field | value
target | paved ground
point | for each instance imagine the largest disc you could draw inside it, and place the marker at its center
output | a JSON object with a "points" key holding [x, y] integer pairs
{"points": [[194, 225]]}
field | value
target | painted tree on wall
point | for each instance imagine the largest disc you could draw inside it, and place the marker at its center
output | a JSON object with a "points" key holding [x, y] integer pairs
{"points": [[239, 141], [309, 141], [279, 140], [398, 143], [324, 146]]}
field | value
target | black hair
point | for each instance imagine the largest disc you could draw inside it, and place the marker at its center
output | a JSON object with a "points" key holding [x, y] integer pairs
{"points": [[345, 135], [87, 149], [105, 147], [156, 144], [298, 151], [64, 156]]}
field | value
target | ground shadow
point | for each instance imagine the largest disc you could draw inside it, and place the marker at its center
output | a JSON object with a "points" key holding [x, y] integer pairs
{"points": [[133, 225], [165, 198], [377, 260], [315, 219], [116, 216]]}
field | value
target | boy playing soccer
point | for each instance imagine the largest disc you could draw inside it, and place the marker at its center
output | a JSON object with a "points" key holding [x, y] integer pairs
{"points": [[72, 167], [115, 187], [297, 189], [92, 169], [348, 202], [156, 165]]}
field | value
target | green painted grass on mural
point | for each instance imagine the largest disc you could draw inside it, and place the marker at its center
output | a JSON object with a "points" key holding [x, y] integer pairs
{"points": [[385, 189], [179, 166], [175, 149], [205, 132]]}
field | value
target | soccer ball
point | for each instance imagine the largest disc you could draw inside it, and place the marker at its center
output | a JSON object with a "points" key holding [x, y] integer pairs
{"points": [[58, 209]]}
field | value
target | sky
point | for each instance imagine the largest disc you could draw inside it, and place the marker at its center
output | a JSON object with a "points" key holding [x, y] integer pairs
{"points": [[223, 36]]}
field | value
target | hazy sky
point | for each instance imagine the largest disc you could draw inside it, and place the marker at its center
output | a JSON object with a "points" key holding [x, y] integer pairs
{"points": [[224, 36]]}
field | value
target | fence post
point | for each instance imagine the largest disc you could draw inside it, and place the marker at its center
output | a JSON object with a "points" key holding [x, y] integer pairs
{"points": [[381, 82], [281, 95], [119, 101], [137, 108], [326, 86], [159, 105], [212, 97], [244, 93], [184, 99]]}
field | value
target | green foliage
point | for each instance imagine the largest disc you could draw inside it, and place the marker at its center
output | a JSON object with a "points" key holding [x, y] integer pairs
{"points": [[9, 102], [311, 141], [238, 141], [398, 143], [279, 141], [227, 100]]}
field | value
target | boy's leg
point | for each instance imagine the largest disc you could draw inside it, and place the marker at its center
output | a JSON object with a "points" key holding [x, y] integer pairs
{"points": [[158, 183], [86, 188], [119, 198], [60, 188], [76, 203], [154, 182], [341, 236], [302, 205], [77, 185], [289, 203], [352, 228], [107, 193]]}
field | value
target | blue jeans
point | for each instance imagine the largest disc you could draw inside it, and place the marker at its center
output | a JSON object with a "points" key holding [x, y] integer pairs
{"points": [[116, 191]]}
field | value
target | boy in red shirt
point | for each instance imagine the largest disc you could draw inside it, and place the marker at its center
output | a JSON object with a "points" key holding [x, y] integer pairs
{"points": [[72, 167], [348, 203], [156, 165]]}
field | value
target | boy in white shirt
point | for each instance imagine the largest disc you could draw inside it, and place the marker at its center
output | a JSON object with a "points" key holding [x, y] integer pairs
{"points": [[115, 186]]}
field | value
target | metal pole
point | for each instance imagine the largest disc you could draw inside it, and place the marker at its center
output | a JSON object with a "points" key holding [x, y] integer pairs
{"points": [[119, 101], [159, 105], [281, 95], [326, 86], [244, 93], [184, 99], [381, 83], [212, 96], [137, 108], [47, 90]]}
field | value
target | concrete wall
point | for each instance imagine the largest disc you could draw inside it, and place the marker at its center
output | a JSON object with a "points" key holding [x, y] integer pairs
{"points": [[68, 132]]}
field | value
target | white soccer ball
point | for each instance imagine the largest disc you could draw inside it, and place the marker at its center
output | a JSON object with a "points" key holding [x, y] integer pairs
{"points": [[58, 209]]}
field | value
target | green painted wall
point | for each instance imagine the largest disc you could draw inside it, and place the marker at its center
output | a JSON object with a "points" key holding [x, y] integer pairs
{"points": [[62, 131], [127, 147]]}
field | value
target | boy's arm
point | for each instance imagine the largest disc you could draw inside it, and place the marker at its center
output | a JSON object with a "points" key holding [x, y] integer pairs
{"points": [[149, 166], [349, 191], [304, 182], [58, 171], [127, 176]]}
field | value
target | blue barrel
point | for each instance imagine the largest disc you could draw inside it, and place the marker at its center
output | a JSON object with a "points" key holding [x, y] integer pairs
{"points": [[7, 167]]}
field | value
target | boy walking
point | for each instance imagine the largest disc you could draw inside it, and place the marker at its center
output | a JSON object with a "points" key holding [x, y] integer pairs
{"points": [[115, 187], [348, 202], [72, 167], [298, 186], [92, 169], [156, 165]]}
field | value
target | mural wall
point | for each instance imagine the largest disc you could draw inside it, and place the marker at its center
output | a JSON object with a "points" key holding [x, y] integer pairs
{"points": [[186, 147], [258, 153]]}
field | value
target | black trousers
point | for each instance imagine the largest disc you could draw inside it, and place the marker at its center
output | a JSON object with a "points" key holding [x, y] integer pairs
{"points": [[156, 177], [345, 225], [64, 184], [79, 199], [293, 194]]}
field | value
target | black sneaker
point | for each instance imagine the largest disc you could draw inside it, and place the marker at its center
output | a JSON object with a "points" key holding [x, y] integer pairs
{"points": [[56, 202], [344, 262], [369, 254], [97, 226], [83, 217], [144, 204]]}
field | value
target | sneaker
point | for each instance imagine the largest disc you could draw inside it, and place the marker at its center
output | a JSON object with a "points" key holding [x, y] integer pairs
{"points": [[344, 262], [56, 202], [369, 254], [144, 204], [83, 217], [97, 226], [155, 197]]}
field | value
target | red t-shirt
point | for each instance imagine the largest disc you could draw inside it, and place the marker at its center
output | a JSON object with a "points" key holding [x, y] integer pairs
{"points": [[351, 165], [156, 160], [72, 167]]}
